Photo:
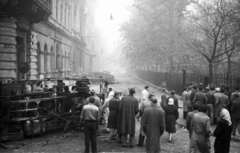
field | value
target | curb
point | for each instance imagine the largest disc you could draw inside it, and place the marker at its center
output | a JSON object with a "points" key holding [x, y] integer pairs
{"points": [[152, 85], [158, 88]]}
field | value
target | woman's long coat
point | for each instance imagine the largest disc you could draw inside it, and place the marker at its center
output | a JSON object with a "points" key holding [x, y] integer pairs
{"points": [[112, 118], [128, 108], [223, 136], [153, 122], [171, 115]]}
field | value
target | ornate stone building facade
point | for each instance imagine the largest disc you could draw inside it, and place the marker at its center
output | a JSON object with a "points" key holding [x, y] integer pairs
{"points": [[54, 37]]}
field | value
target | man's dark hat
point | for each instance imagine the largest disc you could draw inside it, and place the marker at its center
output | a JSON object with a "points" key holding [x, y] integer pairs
{"points": [[92, 91]]}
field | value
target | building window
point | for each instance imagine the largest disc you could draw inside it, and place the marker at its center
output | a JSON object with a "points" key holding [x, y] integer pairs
{"points": [[46, 63], [65, 20], [69, 19], [58, 58], [52, 59], [61, 13], [62, 16], [68, 61], [63, 60], [38, 58], [54, 9], [57, 9]]}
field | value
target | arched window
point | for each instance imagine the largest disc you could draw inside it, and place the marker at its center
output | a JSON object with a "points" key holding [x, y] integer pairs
{"points": [[57, 10], [52, 59], [69, 18], [74, 60], [64, 60], [38, 58], [68, 61], [65, 16], [46, 63], [58, 58], [51, 5]]}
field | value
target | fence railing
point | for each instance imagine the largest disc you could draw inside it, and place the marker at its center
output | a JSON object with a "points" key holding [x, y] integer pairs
{"points": [[177, 81]]}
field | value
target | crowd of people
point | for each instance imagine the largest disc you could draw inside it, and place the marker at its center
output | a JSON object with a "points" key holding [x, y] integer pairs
{"points": [[215, 99], [201, 108]]}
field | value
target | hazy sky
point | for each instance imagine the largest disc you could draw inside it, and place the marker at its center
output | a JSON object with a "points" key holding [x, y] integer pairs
{"points": [[119, 13]]}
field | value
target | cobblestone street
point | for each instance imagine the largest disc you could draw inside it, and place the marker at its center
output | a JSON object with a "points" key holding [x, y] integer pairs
{"points": [[74, 141]]}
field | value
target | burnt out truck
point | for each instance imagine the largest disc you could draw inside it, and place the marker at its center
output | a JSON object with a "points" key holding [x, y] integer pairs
{"points": [[26, 113]]}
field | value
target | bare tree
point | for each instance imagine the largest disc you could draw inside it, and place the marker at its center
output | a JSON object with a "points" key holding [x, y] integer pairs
{"points": [[213, 28], [155, 32]]}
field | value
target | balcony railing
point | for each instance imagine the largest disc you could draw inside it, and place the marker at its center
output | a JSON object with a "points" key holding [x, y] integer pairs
{"points": [[33, 10], [47, 4]]}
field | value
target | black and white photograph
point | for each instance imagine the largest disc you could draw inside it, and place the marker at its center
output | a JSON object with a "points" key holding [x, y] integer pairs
{"points": [[120, 76]]}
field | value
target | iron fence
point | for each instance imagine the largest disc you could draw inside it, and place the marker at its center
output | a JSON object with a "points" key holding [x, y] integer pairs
{"points": [[192, 78], [177, 81], [225, 79]]}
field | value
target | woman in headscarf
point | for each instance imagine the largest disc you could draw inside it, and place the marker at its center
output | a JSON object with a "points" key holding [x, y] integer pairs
{"points": [[171, 115], [223, 133]]}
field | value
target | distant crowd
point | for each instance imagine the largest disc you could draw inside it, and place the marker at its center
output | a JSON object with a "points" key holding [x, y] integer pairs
{"points": [[201, 108]]}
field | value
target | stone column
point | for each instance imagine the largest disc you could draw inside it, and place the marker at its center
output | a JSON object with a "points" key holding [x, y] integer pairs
{"points": [[32, 54], [8, 53]]}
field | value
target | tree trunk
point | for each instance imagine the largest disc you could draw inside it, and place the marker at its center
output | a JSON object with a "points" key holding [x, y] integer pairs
{"points": [[210, 73], [229, 72]]}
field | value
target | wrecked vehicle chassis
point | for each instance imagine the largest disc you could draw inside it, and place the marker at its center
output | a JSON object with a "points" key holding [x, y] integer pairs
{"points": [[26, 118]]}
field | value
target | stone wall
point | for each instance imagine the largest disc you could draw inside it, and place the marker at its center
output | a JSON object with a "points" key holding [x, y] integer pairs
{"points": [[8, 51], [32, 54]]}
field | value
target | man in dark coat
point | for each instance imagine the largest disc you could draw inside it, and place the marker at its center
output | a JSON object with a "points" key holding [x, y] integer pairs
{"points": [[221, 102], [153, 122], [127, 110], [200, 97], [164, 98], [210, 102], [235, 111], [194, 90], [144, 105], [173, 96], [232, 98]]}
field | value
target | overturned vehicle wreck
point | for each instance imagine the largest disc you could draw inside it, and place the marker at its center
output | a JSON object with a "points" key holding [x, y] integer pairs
{"points": [[25, 113]]}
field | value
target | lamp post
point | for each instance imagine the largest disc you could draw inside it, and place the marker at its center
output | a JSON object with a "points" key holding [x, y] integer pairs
{"points": [[111, 17]]}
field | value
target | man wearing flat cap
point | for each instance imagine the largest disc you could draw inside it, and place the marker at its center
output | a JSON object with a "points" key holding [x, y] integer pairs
{"points": [[97, 101], [127, 110]]}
